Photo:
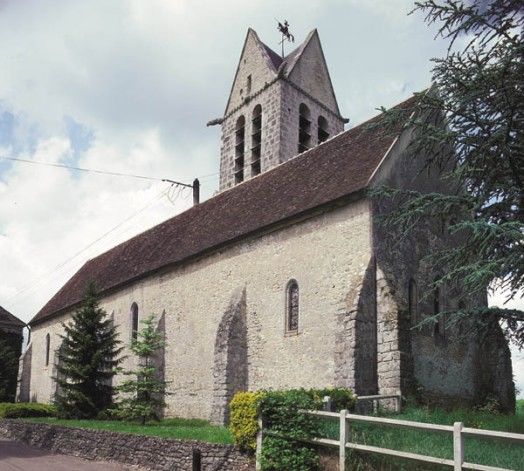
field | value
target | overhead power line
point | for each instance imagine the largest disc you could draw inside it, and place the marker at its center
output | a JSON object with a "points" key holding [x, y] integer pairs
{"points": [[89, 170], [45, 276]]}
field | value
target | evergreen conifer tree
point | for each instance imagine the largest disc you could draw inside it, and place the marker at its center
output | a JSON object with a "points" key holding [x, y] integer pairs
{"points": [[87, 361], [469, 126], [8, 369], [143, 394]]}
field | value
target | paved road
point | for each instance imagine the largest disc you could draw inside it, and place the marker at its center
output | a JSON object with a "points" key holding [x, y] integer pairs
{"points": [[15, 456]]}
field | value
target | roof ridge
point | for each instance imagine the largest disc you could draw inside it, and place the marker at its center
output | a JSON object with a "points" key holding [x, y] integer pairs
{"points": [[335, 169], [263, 174], [10, 317]]}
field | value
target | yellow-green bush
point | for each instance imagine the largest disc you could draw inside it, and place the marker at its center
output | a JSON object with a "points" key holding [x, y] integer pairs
{"points": [[243, 421]]}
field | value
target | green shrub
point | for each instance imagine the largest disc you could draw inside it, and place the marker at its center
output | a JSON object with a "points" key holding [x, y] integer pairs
{"points": [[29, 409], [279, 409], [341, 398], [243, 421], [284, 448]]}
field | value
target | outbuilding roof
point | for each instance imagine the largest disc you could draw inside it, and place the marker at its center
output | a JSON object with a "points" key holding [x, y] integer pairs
{"points": [[9, 319], [339, 167]]}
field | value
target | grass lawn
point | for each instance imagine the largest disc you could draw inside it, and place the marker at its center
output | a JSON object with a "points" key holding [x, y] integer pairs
{"points": [[187, 429], [482, 451]]}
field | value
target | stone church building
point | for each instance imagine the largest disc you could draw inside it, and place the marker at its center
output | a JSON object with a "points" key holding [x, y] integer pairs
{"points": [[286, 278]]}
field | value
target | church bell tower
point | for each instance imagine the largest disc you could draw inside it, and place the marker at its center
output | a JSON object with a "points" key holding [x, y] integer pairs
{"points": [[278, 107]]}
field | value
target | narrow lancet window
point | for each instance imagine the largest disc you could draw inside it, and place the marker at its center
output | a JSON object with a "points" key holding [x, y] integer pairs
{"points": [[304, 128], [323, 133], [292, 307], [437, 328], [256, 140], [134, 321], [413, 302], [47, 348], [239, 149], [248, 85]]}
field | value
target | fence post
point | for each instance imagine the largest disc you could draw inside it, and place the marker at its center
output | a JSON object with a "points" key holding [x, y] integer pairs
{"points": [[458, 446], [327, 403], [398, 402], [343, 438], [258, 466]]}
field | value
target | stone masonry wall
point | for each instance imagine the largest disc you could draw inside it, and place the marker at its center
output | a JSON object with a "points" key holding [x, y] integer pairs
{"points": [[269, 100], [148, 452], [433, 358], [291, 98], [327, 254], [311, 74], [280, 101], [230, 373], [24, 375]]}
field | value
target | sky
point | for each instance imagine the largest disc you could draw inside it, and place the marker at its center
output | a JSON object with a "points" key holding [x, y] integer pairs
{"points": [[128, 86]]}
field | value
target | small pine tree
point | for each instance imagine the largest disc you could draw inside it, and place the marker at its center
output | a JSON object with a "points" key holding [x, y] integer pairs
{"points": [[87, 361], [143, 394]]}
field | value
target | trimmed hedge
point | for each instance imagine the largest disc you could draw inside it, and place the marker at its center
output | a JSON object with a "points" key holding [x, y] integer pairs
{"points": [[279, 410], [26, 409]]}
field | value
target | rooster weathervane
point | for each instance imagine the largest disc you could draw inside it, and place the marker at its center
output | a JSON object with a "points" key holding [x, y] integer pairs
{"points": [[286, 35]]}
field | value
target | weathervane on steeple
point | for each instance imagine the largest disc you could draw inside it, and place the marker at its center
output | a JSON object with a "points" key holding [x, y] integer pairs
{"points": [[286, 35]]}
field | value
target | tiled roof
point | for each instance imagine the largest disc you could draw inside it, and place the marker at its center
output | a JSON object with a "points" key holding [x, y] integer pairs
{"points": [[7, 318], [339, 167]]}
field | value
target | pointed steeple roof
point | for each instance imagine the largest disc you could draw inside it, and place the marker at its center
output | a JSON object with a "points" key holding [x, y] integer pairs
{"points": [[291, 68]]}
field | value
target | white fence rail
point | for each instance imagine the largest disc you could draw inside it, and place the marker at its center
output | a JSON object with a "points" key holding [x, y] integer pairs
{"points": [[458, 430]]}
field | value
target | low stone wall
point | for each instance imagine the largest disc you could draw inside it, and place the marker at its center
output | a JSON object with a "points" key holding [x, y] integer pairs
{"points": [[149, 452]]}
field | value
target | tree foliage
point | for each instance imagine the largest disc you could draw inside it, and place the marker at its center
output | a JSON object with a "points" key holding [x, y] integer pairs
{"points": [[8, 369], [469, 125], [87, 361], [143, 393]]}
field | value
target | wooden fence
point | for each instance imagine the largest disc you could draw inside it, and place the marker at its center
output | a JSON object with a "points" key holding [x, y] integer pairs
{"points": [[458, 430]]}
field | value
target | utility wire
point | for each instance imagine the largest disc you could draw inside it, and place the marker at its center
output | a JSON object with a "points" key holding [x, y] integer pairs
{"points": [[104, 172], [39, 280], [88, 170]]}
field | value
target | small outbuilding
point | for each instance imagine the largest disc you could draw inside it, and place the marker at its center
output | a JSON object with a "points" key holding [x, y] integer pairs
{"points": [[11, 337]]}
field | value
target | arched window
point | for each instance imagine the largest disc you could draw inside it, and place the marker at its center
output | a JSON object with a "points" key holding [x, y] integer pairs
{"points": [[323, 133], [413, 301], [47, 348], [134, 321], [304, 128], [240, 130], [292, 307], [256, 140]]}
